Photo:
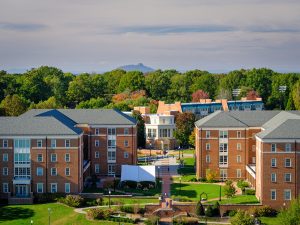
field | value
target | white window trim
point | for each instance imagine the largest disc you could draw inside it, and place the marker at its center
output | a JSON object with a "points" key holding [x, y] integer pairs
{"points": [[68, 140], [290, 163], [272, 148], [55, 184], [97, 154], [238, 146], [126, 155], [207, 158], [97, 167], [126, 143], [207, 146], [238, 173], [275, 180], [97, 131], [37, 157], [37, 169], [4, 186], [66, 171], [53, 141], [66, 157], [55, 157], [5, 159], [238, 159], [207, 134], [275, 162], [5, 171], [289, 148], [97, 143], [5, 143], [39, 141], [37, 187], [55, 171], [127, 131], [290, 176], [287, 190], [66, 188], [273, 190]]}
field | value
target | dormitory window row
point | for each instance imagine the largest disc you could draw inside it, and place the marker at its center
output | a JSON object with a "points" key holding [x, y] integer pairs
{"points": [[287, 194], [287, 162]]}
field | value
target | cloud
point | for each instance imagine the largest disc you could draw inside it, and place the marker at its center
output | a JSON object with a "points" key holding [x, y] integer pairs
{"points": [[272, 29], [23, 27], [175, 29]]}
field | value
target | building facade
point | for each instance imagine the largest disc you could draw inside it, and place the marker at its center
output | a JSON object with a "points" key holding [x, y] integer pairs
{"points": [[49, 151], [261, 147]]}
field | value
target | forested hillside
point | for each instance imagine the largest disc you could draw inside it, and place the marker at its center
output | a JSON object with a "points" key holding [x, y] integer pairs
{"points": [[49, 87]]}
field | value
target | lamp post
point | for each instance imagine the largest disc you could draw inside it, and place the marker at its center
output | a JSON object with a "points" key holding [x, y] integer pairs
{"points": [[235, 94], [150, 146], [179, 151], [31, 222], [49, 212], [180, 186], [109, 192], [282, 90]]}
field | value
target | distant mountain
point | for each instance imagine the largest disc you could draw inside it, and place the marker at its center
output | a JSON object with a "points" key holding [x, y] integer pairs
{"points": [[139, 67]]}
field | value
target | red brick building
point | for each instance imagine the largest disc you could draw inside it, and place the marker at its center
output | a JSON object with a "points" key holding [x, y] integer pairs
{"points": [[259, 146], [47, 151]]}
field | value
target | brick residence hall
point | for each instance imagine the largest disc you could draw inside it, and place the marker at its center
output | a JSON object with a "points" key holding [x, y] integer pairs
{"points": [[262, 147], [49, 150]]}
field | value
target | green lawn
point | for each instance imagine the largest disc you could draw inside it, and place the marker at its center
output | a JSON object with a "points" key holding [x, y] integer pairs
{"points": [[239, 199], [189, 167], [38, 213], [270, 220], [193, 191]]}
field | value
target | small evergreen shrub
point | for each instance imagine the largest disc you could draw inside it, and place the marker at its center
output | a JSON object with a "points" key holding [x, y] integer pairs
{"points": [[209, 212], [73, 201], [250, 192]]}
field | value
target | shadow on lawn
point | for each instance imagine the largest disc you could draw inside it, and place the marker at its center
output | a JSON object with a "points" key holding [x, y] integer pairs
{"points": [[184, 193], [11, 213]]}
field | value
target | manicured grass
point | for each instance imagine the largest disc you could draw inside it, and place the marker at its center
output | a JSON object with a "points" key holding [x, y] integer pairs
{"points": [[188, 151], [270, 220], [189, 167], [38, 213], [184, 178], [239, 199], [193, 191]]}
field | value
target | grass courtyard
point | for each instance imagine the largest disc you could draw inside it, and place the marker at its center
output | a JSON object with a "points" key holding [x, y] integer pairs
{"points": [[38, 213]]}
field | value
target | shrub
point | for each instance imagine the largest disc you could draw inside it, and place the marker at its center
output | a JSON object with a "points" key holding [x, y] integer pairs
{"points": [[99, 201], [242, 184], [211, 176], [203, 179], [185, 221], [126, 209], [209, 212], [265, 211], [229, 189], [250, 192], [47, 197], [216, 209], [242, 218], [73, 201], [152, 220], [232, 213], [199, 209], [99, 214]]}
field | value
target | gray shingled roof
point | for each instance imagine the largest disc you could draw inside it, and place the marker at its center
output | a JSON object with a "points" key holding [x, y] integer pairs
{"points": [[98, 116], [290, 129], [280, 118], [34, 126], [219, 119]]}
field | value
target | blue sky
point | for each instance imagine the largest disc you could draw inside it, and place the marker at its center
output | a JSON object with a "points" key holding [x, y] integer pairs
{"points": [[98, 35]]}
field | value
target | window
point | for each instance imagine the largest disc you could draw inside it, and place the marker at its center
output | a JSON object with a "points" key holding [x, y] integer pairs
{"points": [[97, 131], [288, 177], [273, 162], [287, 162], [223, 134], [111, 155], [5, 188], [53, 187], [39, 171], [97, 155], [53, 172], [39, 143], [126, 143], [207, 134], [223, 159], [22, 172], [238, 159], [288, 147], [5, 157], [97, 168], [39, 157], [53, 143], [238, 173], [273, 177], [5, 171], [111, 143], [164, 132], [254, 160], [67, 171], [223, 147], [111, 169], [126, 131], [238, 134], [5, 143], [53, 157], [208, 158], [273, 194], [223, 174], [273, 147], [67, 143], [97, 143], [111, 131], [207, 146], [126, 155], [39, 187], [151, 133], [238, 146], [287, 194], [67, 157], [67, 188]]}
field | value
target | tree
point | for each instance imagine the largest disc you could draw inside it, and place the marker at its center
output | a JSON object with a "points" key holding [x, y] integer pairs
{"points": [[140, 128], [296, 95], [179, 89], [184, 127], [157, 84], [13, 105], [242, 218], [93, 103], [192, 139], [206, 83], [112, 79], [252, 95], [132, 80], [199, 209], [224, 94], [50, 103], [199, 94], [291, 215], [229, 189]]}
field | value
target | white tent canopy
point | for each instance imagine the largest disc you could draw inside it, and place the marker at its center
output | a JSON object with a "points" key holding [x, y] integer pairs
{"points": [[138, 173]]}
